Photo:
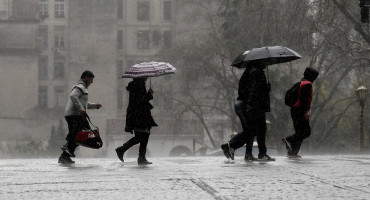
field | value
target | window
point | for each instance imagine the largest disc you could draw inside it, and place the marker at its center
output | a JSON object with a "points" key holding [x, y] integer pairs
{"points": [[156, 37], [143, 10], [120, 39], [120, 100], [119, 68], [43, 67], [119, 9], [59, 96], [59, 67], [167, 39], [43, 37], [59, 9], [143, 40], [43, 8], [4, 9], [43, 96], [59, 36], [167, 10], [130, 63]]}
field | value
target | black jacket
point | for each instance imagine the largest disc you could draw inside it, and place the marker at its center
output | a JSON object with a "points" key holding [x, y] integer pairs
{"points": [[254, 89], [138, 111]]}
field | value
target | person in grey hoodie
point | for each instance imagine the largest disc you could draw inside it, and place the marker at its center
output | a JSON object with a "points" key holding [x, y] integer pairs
{"points": [[75, 115]]}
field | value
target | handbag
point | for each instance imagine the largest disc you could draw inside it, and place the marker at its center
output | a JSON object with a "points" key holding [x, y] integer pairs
{"points": [[89, 138]]}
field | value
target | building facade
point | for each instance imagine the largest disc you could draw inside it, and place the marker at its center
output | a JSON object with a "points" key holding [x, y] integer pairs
{"points": [[45, 45]]}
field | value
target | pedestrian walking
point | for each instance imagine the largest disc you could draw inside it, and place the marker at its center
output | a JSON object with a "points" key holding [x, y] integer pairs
{"points": [[139, 120], [75, 115], [300, 112], [252, 103]]}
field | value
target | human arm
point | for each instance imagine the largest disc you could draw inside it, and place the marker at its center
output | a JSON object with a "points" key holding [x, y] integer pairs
{"points": [[93, 105]]}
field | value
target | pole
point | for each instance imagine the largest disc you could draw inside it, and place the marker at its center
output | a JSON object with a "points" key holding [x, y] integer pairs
{"points": [[193, 146], [362, 136]]}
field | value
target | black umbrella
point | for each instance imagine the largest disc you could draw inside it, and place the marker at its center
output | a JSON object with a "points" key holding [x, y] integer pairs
{"points": [[272, 55]]}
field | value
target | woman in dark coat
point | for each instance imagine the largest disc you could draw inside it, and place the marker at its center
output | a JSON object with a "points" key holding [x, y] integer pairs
{"points": [[139, 119]]}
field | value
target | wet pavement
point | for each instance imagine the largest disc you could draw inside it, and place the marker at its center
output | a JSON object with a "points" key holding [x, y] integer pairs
{"points": [[312, 177]]}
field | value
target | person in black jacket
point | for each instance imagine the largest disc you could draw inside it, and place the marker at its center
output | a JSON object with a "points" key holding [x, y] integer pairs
{"points": [[138, 119], [252, 104], [300, 113]]}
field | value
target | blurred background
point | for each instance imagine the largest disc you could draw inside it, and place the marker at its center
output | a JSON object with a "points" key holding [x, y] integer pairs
{"points": [[45, 45]]}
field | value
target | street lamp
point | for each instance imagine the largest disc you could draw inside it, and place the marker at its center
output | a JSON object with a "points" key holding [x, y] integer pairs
{"points": [[361, 94], [365, 5]]}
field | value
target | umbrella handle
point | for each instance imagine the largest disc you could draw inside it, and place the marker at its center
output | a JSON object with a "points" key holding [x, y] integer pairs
{"points": [[268, 78], [150, 82]]}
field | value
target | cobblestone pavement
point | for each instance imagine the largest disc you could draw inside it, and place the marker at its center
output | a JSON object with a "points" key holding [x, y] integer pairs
{"points": [[312, 177]]}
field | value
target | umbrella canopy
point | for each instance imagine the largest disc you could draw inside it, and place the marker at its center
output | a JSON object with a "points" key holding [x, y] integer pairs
{"points": [[149, 69], [272, 55]]}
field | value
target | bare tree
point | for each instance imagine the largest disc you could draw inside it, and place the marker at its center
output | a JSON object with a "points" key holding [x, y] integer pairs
{"points": [[321, 31]]}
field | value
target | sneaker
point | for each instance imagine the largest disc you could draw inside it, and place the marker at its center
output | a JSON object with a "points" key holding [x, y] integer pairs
{"points": [[265, 158], [120, 152], [65, 149], [228, 151], [287, 145], [249, 157], [65, 160], [294, 156], [143, 161]]}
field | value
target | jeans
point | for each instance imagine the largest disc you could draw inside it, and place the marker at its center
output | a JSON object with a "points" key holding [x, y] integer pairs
{"points": [[239, 139], [254, 124]]}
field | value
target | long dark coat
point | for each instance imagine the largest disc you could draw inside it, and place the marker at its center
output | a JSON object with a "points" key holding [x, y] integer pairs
{"points": [[254, 89], [138, 111]]}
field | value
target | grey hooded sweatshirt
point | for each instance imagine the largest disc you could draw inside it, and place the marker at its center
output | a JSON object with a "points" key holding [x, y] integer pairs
{"points": [[78, 100]]}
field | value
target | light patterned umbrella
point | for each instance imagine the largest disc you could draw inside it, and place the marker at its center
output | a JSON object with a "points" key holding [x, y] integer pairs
{"points": [[149, 69]]}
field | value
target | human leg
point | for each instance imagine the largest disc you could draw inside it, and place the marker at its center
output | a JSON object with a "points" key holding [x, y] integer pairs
{"points": [[144, 138], [127, 145], [74, 125], [302, 131], [240, 111]]}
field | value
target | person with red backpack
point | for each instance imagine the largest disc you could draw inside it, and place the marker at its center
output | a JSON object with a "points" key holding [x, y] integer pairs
{"points": [[299, 98]]}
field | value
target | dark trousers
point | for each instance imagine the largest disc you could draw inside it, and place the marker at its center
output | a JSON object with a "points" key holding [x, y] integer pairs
{"points": [[254, 125], [302, 130], [140, 137], [256, 128], [240, 139], [75, 124]]}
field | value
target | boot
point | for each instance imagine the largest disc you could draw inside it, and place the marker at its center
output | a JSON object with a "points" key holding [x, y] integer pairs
{"points": [[142, 148], [143, 161], [121, 150]]}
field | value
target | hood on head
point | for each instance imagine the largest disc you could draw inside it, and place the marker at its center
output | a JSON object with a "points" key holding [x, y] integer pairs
{"points": [[310, 74]]}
